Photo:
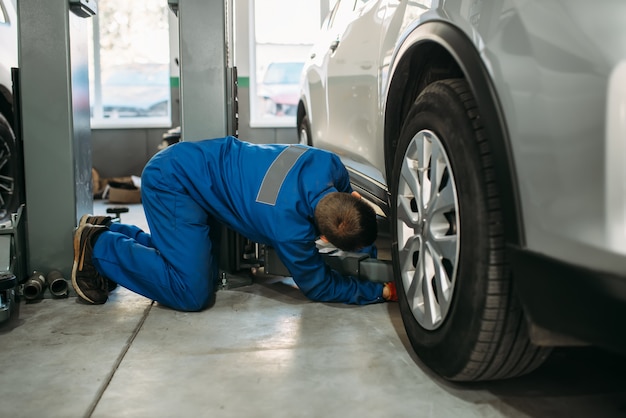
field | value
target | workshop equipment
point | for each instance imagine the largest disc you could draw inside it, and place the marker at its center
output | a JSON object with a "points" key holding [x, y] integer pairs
{"points": [[355, 264], [117, 212], [209, 103], [8, 283], [57, 284], [53, 62], [34, 286], [12, 262]]}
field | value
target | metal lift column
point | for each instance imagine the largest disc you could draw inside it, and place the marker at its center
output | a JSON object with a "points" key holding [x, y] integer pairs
{"points": [[206, 74], [55, 113], [208, 87]]}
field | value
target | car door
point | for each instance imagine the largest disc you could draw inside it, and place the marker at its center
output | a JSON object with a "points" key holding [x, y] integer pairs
{"points": [[315, 86], [352, 79]]}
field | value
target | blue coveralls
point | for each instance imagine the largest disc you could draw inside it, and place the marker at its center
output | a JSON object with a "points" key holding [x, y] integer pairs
{"points": [[267, 193]]}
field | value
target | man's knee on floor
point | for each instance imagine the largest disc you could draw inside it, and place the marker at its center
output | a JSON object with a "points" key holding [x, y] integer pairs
{"points": [[194, 303]]}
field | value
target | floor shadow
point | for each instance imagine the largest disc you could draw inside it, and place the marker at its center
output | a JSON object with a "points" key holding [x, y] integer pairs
{"points": [[573, 382]]}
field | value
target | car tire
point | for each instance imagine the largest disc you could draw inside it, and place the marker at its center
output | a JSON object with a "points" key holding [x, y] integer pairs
{"points": [[304, 132], [456, 295], [10, 171]]}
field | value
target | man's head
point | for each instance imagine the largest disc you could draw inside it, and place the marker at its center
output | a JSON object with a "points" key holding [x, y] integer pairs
{"points": [[346, 221]]}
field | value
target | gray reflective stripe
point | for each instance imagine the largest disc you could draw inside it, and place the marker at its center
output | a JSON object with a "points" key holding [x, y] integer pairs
{"points": [[275, 175]]}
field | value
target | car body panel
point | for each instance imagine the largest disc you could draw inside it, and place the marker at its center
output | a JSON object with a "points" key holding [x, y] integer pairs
{"points": [[550, 69], [352, 78], [551, 77]]}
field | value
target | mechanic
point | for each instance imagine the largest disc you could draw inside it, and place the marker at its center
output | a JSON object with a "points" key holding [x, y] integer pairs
{"points": [[284, 196]]}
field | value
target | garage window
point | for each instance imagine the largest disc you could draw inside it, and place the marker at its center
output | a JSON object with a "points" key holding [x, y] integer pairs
{"points": [[129, 65], [281, 42]]}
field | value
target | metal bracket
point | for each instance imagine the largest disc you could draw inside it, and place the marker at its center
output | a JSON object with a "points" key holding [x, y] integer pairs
{"points": [[347, 263], [84, 8], [173, 4], [11, 262], [360, 265]]}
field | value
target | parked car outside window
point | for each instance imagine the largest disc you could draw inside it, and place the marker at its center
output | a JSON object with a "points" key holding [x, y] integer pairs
{"points": [[136, 90], [280, 88], [491, 135]]}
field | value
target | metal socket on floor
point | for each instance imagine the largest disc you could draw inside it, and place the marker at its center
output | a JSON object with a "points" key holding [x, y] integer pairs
{"points": [[57, 284], [34, 286]]}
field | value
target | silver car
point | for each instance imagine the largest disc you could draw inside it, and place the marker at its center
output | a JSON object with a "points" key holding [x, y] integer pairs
{"points": [[492, 136]]}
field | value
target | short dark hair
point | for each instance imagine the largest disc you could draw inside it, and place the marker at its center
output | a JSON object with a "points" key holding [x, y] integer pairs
{"points": [[347, 222]]}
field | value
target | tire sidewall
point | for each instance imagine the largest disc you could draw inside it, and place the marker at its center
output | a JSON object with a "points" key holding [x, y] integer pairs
{"points": [[447, 349]]}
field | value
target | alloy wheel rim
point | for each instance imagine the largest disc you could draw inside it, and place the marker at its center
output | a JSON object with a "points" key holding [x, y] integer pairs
{"points": [[427, 226]]}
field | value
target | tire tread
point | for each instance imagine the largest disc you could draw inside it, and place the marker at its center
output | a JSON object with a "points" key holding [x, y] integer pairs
{"points": [[512, 354]]}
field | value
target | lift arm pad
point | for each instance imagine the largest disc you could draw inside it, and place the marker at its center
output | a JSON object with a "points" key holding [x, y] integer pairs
{"points": [[347, 263]]}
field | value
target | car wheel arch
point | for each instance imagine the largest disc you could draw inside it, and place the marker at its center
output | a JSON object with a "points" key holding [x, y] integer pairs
{"points": [[434, 51]]}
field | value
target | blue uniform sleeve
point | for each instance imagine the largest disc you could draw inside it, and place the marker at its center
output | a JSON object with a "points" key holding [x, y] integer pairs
{"points": [[319, 282], [342, 178]]}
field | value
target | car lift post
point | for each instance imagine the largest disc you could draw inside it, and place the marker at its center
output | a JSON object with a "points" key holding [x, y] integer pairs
{"points": [[207, 95], [208, 90], [53, 65]]}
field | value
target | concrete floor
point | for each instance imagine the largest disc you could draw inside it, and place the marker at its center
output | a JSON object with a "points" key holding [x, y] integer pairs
{"points": [[263, 350]]}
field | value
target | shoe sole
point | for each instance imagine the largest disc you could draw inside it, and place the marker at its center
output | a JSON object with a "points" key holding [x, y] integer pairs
{"points": [[83, 220], [77, 253]]}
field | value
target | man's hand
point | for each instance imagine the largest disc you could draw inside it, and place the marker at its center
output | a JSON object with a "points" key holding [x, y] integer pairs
{"points": [[389, 292]]}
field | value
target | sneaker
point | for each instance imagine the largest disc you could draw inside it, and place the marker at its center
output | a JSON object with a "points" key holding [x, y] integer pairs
{"points": [[95, 220], [111, 284], [98, 220], [88, 283]]}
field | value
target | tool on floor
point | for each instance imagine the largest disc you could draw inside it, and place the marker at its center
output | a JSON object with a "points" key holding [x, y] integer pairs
{"points": [[57, 284], [34, 286], [117, 211]]}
